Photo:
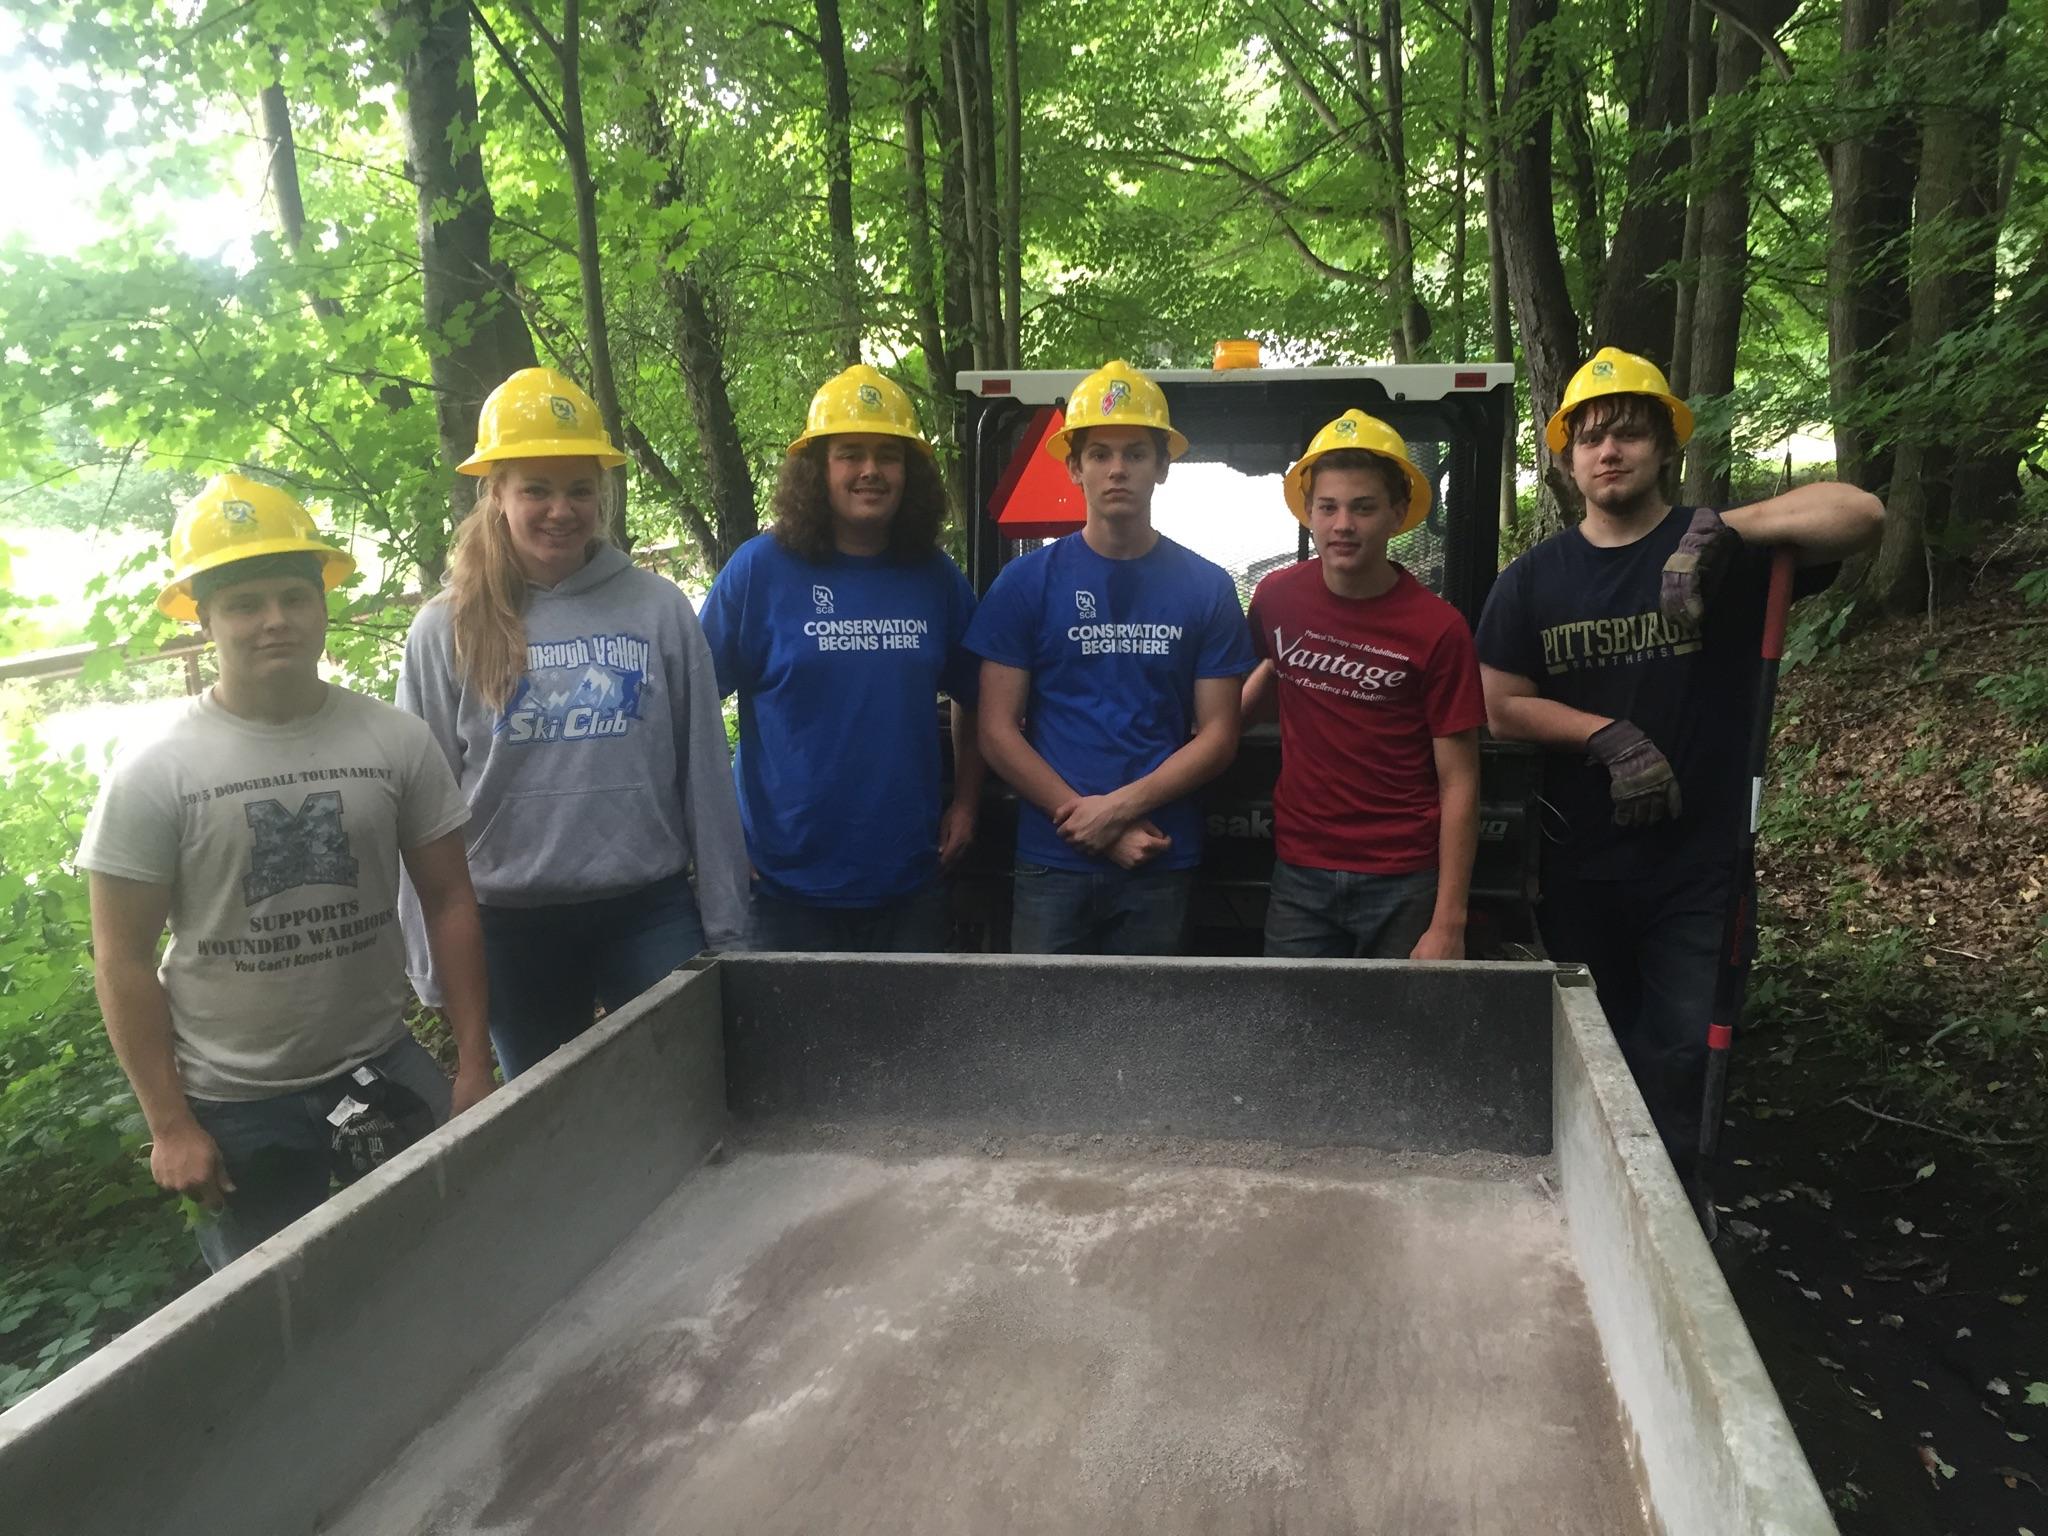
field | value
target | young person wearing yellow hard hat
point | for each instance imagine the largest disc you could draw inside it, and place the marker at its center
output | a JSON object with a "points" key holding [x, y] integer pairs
{"points": [[1376, 812], [1111, 668], [267, 824], [574, 698], [1629, 645], [839, 628]]}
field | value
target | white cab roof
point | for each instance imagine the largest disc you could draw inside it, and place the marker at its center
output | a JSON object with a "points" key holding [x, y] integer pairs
{"points": [[1402, 381]]}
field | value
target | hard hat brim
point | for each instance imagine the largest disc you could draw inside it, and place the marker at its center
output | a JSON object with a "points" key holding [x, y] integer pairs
{"points": [[1556, 433], [1058, 446], [1295, 488], [480, 462], [175, 601], [875, 430]]}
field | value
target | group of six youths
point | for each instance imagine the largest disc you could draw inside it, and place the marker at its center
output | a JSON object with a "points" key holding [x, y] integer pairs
{"points": [[559, 751]]}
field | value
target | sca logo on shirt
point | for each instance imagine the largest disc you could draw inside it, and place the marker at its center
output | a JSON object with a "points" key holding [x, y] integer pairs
{"points": [[578, 690], [822, 598], [1084, 604]]}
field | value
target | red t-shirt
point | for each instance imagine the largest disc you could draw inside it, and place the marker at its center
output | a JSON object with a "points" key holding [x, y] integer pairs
{"points": [[1365, 684]]}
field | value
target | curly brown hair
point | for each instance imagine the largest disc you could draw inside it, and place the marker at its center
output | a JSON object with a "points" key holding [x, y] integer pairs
{"points": [[803, 512]]}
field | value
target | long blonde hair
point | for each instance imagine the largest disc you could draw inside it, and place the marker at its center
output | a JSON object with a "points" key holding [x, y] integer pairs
{"points": [[487, 588]]}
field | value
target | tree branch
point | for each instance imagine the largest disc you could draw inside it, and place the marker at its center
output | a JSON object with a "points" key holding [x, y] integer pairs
{"points": [[511, 62], [528, 15], [777, 24]]}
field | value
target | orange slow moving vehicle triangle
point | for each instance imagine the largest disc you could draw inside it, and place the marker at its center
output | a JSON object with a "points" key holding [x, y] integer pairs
{"points": [[1035, 499]]}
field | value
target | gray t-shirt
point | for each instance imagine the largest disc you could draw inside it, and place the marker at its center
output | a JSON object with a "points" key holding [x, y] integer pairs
{"points": [[281, 846]]}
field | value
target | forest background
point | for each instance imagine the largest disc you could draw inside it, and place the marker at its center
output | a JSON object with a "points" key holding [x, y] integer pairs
{"points": [[1826, 219]]}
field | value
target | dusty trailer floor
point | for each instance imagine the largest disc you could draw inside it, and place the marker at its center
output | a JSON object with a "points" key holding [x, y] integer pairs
{"points": [[832, 1342]]}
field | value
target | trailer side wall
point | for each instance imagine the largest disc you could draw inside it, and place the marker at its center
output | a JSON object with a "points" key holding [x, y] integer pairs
{"points": [[271, 1395], [1716, 1452], [1428, 1058]]}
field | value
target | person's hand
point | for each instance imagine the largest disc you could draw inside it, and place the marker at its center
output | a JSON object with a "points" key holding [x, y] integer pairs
{"points": [[1644, 789], [186, 1161], [1139, 843], [1092, 823], [956, 831], [473, 1084], [1439, 943], [1696, 567]]}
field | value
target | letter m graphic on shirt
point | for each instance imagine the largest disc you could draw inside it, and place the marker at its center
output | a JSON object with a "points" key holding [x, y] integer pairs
{"points": [[287, 851]]}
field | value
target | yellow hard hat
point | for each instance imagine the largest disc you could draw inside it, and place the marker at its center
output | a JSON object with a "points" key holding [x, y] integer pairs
{"points": [[1116, 395], [539, 414], [1615, 372], [862, 399], [236, 518], [1358, 432]]}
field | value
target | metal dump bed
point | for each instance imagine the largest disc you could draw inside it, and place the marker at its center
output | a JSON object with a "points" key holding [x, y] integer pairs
{"points": [[796, 1244]]}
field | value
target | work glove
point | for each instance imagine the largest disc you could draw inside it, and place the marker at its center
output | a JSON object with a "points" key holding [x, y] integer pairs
{"points": [[1696, 567], [1645, 790]]}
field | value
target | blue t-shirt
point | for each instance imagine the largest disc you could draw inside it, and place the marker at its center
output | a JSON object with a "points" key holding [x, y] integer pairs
{"points": [[839, 667], [1113, 648]]}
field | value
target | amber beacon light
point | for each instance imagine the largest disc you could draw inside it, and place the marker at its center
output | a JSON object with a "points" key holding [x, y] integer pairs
{"points": [[1236, 352]]}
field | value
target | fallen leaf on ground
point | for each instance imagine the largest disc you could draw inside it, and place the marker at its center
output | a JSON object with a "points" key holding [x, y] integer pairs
{"points": [[1930, 1458]]}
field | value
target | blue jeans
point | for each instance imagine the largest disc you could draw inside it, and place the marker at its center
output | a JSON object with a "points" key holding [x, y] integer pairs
{"points": [[1654, 948], [1341, 914], [1098, 912], [913, 924], [550, 967], [278, 1150]]}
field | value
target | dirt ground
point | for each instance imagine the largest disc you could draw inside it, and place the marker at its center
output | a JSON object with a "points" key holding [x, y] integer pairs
{"points": [[821, 1341], [1900, 1315]]}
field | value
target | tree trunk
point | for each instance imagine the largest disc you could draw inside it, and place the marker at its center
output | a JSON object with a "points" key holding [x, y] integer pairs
{"points": [[1945, 466], [459, 275], [989, 243], [1012, 239], [726, 472], [955, 228], [1543, 304], [1872, 167], [1414, 318], [604, 383], [924, 282], [1461, 205], [839, 183], [1724, 258], [961, 75], [1699, 90], [1503, 335], [1637, 308], [1589, 224], [700, 348], [285, 193]]}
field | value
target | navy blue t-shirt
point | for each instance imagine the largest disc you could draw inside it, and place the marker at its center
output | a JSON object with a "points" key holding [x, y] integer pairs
{"points": [[1583, 624], [839, 667], [1114, 648]]}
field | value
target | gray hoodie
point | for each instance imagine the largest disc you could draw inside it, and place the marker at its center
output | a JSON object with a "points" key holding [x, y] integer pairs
{"points": [[608, 768]]}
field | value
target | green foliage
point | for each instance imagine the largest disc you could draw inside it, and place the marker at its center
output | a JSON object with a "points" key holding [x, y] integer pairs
{"points": [[2022, 694], [87, 1241], [1816, 627]]}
